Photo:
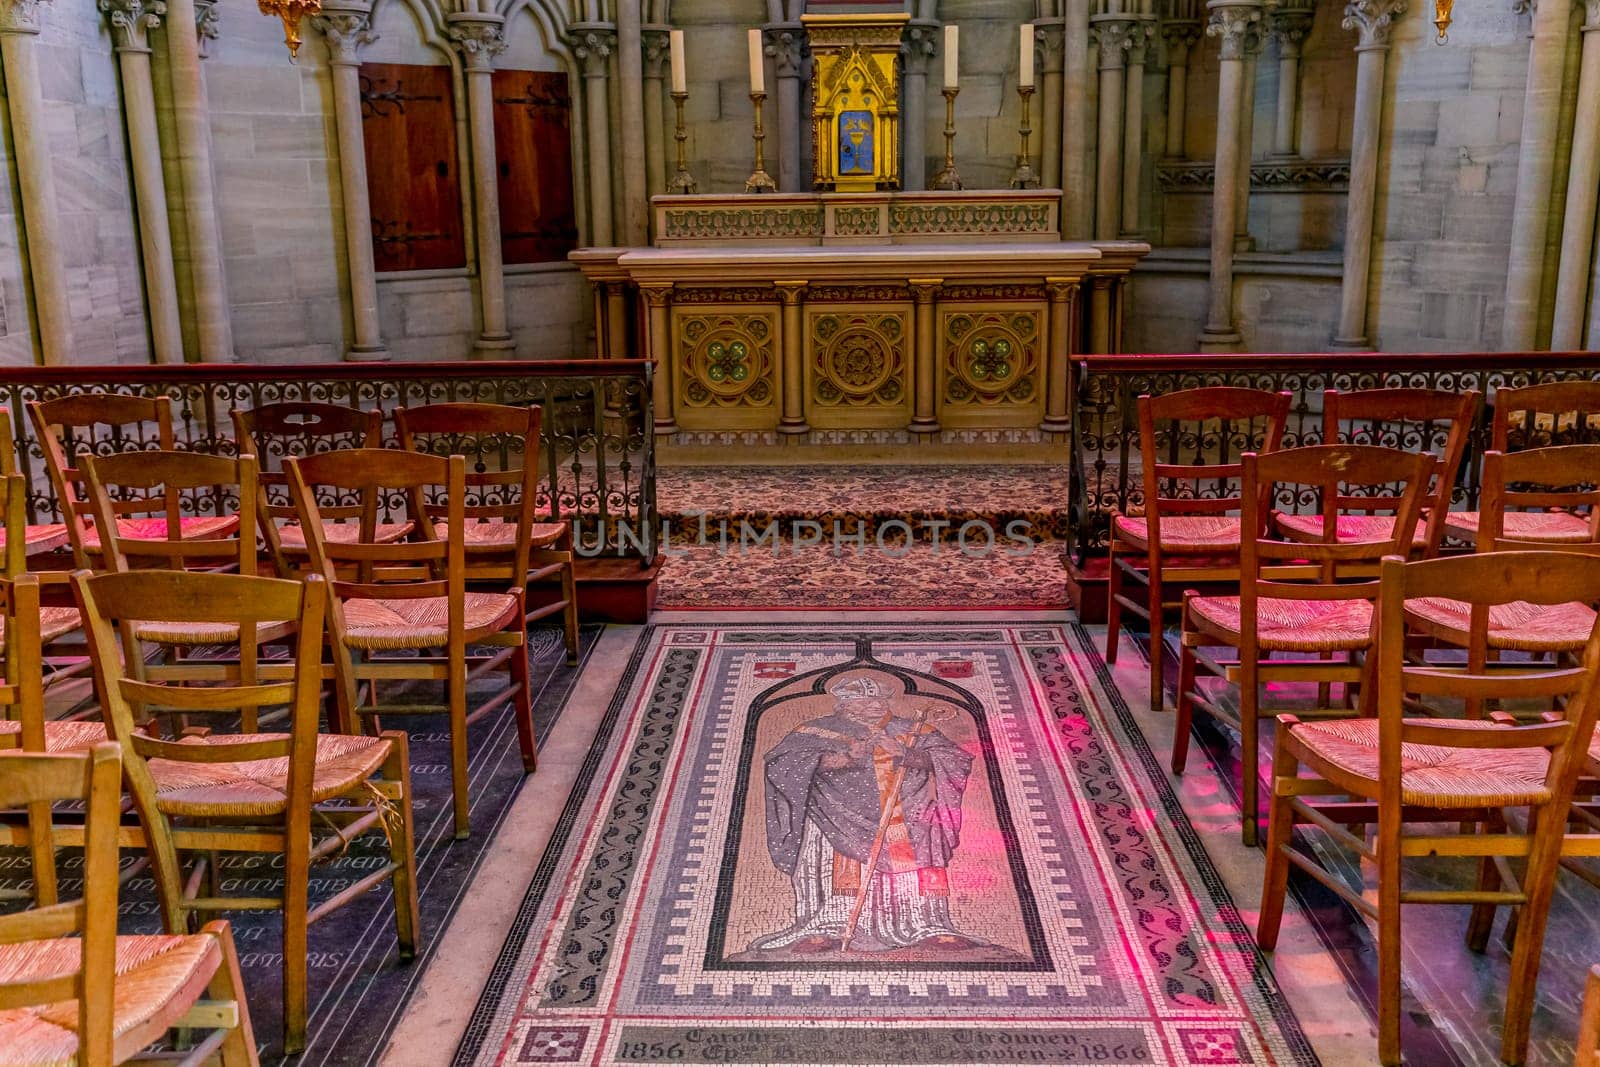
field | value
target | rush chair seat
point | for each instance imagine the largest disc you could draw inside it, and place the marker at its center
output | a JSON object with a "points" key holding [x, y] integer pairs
{"points": [[274, 432], [1296, 597], [1538, 416], [413, 597], [1411, 419], [70, 427], [1190, 530], [248, 792], [1436, 786], [502, 445], [99, 998]]}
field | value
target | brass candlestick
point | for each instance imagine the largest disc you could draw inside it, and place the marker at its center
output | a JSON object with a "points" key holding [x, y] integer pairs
{"points": [[1025, 178], [948, 178], [683, 181], [760, 181]]}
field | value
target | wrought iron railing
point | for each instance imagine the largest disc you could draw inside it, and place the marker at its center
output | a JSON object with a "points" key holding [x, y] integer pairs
{"points": [[1104, 474], [597, 462]]}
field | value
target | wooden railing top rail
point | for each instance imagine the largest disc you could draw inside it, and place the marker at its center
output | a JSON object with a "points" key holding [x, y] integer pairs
{"points": [[1345, 362], [200, 373]]}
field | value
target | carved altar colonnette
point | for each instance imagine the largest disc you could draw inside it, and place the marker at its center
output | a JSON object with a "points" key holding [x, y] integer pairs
{"points": [[900, 313]]}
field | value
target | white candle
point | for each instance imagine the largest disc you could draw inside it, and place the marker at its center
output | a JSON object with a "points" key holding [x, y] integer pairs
{"points": [[680, 78], [758, 64], [951, 51], [1026, 67]]}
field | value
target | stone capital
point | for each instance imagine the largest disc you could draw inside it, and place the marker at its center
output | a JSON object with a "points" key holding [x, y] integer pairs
{"points": [[920, 45], [1591, 15], [656, 294], [1236, 26], [207, 25], [1139, 38], [1113, 35], [1289, 26], [1181, 35], [593, 43], [790, 292], [131, 22], [478, 37], [1050, 41], [786, 45], [923, 290], [21, 16], [346, 32], [657, 50], [1373, 21], [1061, 290]]}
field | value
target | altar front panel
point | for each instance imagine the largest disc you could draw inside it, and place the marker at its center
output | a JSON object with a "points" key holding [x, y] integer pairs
{"points": [[992, 350], [725, 353], [859, 358]]}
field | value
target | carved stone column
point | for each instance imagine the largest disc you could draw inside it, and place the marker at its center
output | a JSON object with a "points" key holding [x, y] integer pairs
{"points": [[1102, 332], [592, 44], [347, 26], [1583, 179], [1242, 241], [1372, 20], [1139, 38], [1182, 35], [658, 313], [1536, 159], [1058, 371], [791, 358], [1232, 22], [1113, 35], [925, 357], [786, 44], [1077, 195], [921, 43], [655, 98], [131, 23], [480, 38], [630, 79], [1289, 27], [1048, 34], [192, 120]]}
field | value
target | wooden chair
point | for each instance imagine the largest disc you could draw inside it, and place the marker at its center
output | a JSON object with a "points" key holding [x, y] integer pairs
{"points": [[502, 446], [248, 792], [1295, 597], [99, 998], [1416, 420], [1190, 529], [274, 432], [98, 424], [412, 598], [38, 539], [1416, 778], [1538, 416], [1588, 1050]]}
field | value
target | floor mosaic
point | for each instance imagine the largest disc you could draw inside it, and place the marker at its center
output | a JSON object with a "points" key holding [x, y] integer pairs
{"points": [[896, 843]]}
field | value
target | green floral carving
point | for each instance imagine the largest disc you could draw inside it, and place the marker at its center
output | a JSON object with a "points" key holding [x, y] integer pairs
{"points": [[990, 359], [727, 362]]}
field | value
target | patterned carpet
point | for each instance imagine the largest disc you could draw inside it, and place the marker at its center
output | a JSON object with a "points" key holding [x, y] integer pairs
{"points": [[898, 843]]}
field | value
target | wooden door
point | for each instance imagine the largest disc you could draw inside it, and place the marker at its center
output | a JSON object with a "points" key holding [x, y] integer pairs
{"points": [[413, 169], [533, 142]]}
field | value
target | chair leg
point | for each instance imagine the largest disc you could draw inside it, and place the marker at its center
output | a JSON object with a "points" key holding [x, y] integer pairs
{"points": [[239, 1047], [296, 871], [1388, 851], [569, 592], [1158, 647], [1280, 827], [1539, 884], [522, 710], [1249, 749], [458, 742], [1185, 718], [402, 847], [1113, 609], [1481, 924]]}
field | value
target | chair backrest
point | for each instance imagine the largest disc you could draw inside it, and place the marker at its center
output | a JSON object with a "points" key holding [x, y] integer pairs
{"points": [[428, 565], [155, 485], [112, 602], [70, 427], [35, 781], [501, 446], [1551, 413], [1559, 478], [22, 693], [1380, 478], [1190, 444], [1483, 581], [274, 432], [1417, 420]]}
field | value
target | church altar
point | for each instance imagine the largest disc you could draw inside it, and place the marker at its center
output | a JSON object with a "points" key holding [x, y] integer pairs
{"points": [[858, 307]]}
